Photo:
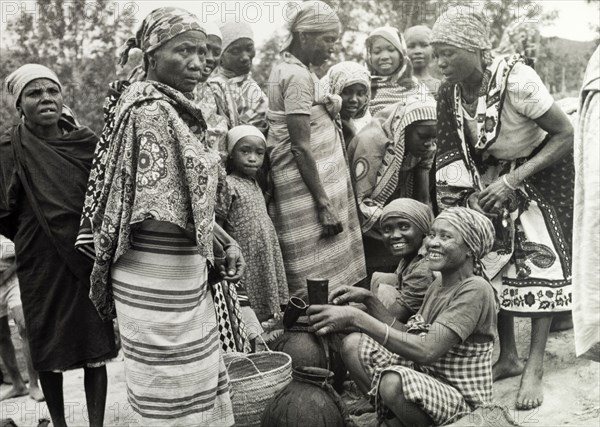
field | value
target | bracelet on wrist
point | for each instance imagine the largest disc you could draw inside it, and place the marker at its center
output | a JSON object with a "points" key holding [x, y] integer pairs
{"points": [[393, 323], [505, 180], [387, 335]]}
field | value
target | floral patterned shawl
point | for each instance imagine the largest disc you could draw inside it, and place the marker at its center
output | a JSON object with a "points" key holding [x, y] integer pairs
{"points": [[156, 167]]}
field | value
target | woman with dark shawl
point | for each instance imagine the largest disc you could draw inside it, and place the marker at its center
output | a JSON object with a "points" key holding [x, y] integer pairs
{"points": [[152, 219], [44, 167], [506, 149]]}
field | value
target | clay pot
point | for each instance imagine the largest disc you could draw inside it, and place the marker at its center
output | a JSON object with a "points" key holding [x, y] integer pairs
{"points": [[308, 401], [305, 348]]}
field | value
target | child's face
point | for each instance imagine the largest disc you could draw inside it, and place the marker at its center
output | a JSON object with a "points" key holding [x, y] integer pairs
{"points": [[418, 48], [420, 138], [354, 98], [248, 155], [385, 59]]}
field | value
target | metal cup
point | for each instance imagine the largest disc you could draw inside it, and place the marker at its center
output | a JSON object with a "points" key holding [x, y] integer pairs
{"points": [[296, 307], [318, 291]]}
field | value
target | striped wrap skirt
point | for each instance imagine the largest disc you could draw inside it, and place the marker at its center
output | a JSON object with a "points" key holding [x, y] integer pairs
{"points": [[174, 369]]}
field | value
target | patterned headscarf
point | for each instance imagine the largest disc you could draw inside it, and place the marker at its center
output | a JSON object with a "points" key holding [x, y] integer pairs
{"points": [[416, 212], [233, 31], [310, 17], [346, 74], [464, 28], [475, 228], [241, 131], [22, 76], [160, 26]]}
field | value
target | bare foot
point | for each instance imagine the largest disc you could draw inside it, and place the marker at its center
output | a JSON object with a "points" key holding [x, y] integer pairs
{"points": [[507, 367], [36, 394], [14, 392], [531, 391], [361, 406], [562, 322]]}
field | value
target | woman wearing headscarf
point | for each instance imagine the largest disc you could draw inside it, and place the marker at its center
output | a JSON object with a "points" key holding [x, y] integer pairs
{"points": [[586, 275], [505, 148], [313, 207], [232, 79], [213, 112], [414, 377], [392, 77], [391, 158], [153, 219], [44, 167], [352, 82]]}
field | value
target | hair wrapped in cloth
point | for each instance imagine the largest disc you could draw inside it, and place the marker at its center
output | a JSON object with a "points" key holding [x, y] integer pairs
{"points": [[212, 29], [311, 17], [416, 212], [465, 28], [239, 132], [22, 76], [475, 229], [346, 74], [233, 31], [160, 26]]}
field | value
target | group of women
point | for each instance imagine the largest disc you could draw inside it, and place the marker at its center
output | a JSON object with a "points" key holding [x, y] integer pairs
{"points": [[350, 158]]}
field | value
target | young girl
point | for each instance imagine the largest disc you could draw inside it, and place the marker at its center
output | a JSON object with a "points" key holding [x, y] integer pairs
{"points": [[392, 72], [241, 210], [352, 82], [420, 54]]}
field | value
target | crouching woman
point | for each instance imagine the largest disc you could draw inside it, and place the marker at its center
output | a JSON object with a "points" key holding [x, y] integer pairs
{"points": [[438, 365]]}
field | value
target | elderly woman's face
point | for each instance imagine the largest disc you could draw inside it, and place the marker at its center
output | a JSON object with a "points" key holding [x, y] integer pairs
{"points": [[320, 46], [385, 59], [180, 62], [446, 249], [401, 237], [41, 103], [456, 64], [238, 56]]}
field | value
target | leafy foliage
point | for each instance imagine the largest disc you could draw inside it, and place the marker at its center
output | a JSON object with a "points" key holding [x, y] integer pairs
{"points": [[77, 39]]}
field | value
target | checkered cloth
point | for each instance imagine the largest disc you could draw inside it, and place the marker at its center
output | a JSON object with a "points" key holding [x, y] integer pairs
{"points": [[457, 383], [232, 330]]}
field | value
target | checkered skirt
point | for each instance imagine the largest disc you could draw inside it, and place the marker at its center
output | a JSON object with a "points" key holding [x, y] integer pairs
{"points": [[458, 382]]}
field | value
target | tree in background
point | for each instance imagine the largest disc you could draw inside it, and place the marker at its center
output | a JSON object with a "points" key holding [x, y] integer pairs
{"points": [[560, 63], [79, 40]]}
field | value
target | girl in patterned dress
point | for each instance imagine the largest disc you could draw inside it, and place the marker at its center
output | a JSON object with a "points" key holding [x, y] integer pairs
{"points": [[242, 211]]}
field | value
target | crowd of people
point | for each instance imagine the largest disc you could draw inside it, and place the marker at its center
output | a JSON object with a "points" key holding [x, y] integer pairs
{"points": [[437, 209]]}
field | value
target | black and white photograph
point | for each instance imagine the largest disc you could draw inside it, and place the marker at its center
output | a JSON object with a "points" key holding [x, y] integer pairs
{"points": [[299, 213]]}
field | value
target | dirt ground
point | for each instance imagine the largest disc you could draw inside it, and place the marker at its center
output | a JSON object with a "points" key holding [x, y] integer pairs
{"points": [[572, 392]]}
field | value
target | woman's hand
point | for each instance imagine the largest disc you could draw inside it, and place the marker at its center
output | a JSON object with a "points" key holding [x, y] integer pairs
{"points": [[232, 266], [347, 294], [329, 219], [492, 199], [326, 319]]}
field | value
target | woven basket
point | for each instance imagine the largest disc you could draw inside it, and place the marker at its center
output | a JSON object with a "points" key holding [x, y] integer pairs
{"points": [[254, 379]]}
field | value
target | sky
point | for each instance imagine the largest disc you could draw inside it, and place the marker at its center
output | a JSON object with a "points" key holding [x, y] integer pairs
{"points": [[575, 22]]}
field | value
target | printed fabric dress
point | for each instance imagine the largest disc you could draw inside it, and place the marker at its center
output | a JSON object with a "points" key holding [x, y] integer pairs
{"points": [[530, 263], [242, 207]]}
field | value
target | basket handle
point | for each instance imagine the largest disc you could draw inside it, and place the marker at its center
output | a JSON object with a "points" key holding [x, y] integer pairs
{"points": [[264, 343], [243, 356]]}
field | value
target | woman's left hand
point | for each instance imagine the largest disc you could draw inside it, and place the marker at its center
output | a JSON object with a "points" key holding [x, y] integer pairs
{"points": [[492, 199], [233, 267], [326, 319]]}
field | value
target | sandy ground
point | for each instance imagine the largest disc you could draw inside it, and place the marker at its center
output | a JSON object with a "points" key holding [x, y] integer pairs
{"points": [[572, 392]]}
